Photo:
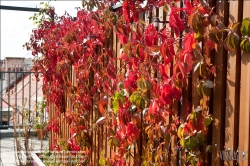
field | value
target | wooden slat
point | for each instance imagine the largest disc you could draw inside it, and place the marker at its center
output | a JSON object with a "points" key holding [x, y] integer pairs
{"points": [[219, 91], [244, 102], [115, 38], [166, 150], [232, 85]]}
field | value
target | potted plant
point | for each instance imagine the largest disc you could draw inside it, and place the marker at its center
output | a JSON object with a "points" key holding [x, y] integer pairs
{"points": [[41, 130]]}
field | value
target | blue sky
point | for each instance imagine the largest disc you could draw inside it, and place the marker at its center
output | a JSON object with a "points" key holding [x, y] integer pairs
{"points": [[16, 26]]}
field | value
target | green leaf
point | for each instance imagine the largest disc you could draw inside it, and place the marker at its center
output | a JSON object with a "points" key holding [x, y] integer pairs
{"points": [[208, 120], [198, 36], [199, 89], [140, 84], [232, 41], [148, 84], [247, 46], [242, 44], [116, 141], [115, 105], [235, 25], [110, 142], [180, 132], [102, 161], [192, 143], [111, 132], [206, 91], [215, 35], [227, 45], [138, 100], [245, 27], [121, 85], [182, 142], [165, 8]]}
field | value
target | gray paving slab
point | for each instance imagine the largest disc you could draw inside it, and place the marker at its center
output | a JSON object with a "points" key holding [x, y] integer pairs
{"points": [[7, 149]]}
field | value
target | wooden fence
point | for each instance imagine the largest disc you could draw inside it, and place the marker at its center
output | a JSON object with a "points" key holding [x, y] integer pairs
{"points": [[229, 101]]}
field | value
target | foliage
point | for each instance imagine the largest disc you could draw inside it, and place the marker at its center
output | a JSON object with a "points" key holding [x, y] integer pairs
{"points": [[143, 88], [40, 122], [23, 145], [40, 125]]}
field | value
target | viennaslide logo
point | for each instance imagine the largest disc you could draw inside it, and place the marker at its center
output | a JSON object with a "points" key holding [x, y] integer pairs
{"points": [[227, 155]]}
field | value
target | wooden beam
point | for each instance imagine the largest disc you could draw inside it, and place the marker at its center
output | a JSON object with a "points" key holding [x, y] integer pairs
{"points": [[232, 86], [244, 102], [218, 125]]}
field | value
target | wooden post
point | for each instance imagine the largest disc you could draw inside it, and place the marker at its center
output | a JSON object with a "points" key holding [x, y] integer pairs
{"points": [[219, 91], [244, 102], [232, 86]]}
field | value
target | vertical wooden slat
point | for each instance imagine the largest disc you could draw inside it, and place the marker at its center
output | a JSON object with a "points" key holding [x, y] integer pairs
{"points": [[111, 47], [232, 97], [144, 149], [165, 148], [174, 155], [244, 126], [112, 148], [219, 91]]}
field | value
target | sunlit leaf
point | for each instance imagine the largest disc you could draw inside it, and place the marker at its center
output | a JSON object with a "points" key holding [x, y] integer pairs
{"points": [[101, 120], [180, 132], [209, 148], [208, 120], [182, 142], [196, 65], [235, 25], [245, 27]]}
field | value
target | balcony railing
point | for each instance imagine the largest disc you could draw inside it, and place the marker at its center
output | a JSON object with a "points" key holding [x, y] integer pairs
{"points": [[20, 94]]}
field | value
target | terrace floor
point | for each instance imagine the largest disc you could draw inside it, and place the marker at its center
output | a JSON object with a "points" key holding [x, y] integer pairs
{"points": [[7, 150]]}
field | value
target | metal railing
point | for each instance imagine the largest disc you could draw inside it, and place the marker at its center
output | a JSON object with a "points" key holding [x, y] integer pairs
{"points": [[20, 94]]}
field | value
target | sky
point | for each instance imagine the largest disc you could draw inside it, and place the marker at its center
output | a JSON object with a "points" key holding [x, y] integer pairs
{"points": [[16, 26]]}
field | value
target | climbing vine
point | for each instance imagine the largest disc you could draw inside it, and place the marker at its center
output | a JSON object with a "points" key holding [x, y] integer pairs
{"points": [[138, 95]]}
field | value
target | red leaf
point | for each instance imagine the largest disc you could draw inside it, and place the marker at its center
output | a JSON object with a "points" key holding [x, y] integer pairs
{"points": [[163, 70], [136, 16], [189, 61], [111, 70], [124, 56], [150, 35], [188, 6], [166, 94], [126, 11], [203, 10], [175, 22], [176, 93], [189, 40], [122, 38], [161, 3], [188, 128], [102, 103], [133, 131], [153, 108], [131, 80], [210, 44], [167, 52], [179, 67]]}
